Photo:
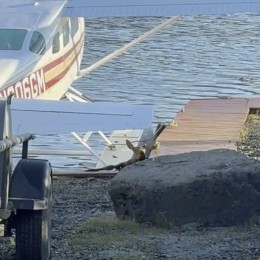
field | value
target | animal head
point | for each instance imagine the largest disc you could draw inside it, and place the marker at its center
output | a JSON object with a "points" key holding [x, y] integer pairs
{"points": [[139, 152]]}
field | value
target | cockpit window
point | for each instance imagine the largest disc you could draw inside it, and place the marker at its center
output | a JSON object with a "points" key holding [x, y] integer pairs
{"points": [[74, 26], [56, 43], [37, 44], [66, 33], [12, 39]]}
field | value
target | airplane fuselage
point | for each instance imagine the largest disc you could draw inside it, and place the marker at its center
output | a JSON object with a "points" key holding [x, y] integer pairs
{"points": [[40, 56]]}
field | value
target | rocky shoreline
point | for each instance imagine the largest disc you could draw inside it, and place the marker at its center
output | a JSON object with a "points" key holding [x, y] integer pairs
{"points": [[84, 225]]}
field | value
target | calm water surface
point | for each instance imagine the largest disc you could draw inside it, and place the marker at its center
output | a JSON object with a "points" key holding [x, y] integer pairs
{"points": [[198, 57]]}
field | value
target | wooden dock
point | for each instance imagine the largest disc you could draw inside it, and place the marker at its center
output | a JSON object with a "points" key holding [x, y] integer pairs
{"points": [[206, 124]]}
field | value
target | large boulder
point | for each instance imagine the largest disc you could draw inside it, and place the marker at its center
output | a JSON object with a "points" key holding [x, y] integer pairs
{"points": [[217, 188]]}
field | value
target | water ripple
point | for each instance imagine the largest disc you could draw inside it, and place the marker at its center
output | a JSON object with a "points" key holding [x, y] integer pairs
{"points": [[199, 57]]}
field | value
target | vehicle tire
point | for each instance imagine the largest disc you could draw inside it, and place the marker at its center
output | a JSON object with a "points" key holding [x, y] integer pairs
{"points": [[33, 234]]}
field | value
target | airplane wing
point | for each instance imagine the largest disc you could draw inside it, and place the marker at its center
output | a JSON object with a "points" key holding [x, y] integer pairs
{"points": [[52, 117], [113, 8]]}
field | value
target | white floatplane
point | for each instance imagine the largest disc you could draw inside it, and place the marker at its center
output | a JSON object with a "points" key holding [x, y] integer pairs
{"points": [[41, 42], [41, 48], [40, 51]]}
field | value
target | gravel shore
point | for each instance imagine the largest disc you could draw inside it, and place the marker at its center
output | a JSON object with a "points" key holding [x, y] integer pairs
{"points": [[84, 226]]}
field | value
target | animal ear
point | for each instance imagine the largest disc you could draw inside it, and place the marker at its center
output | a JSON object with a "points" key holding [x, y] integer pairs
{"points": [[129, 144]]}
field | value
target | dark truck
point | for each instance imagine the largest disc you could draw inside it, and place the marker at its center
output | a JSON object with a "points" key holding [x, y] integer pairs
{"points": [[25, 193]]}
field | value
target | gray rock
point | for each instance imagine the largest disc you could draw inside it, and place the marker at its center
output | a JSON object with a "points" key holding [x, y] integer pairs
{"points": [[214, 188]]}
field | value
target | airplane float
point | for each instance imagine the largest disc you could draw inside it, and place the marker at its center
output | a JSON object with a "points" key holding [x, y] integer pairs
{"points": [[41, 48]]}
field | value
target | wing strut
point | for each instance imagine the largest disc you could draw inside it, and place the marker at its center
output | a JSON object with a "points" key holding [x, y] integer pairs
{"points": [[123, 49]]}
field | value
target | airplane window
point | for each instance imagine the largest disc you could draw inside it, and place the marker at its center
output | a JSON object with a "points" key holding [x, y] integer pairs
{"points": [[66, 31], [37, 44], [74, 26], [56, 43], [12, 39]]}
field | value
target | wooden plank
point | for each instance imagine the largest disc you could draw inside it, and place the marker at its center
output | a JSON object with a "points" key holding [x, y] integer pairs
{"points": [[202, 129], [216, 110], [254, 103], [170, 143], [194, 137], [206, 127], [201, 137], [205, 124], [210, 117], [209, 114]]}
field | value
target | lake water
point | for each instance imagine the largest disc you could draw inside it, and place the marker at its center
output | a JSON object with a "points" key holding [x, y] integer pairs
{"points": [[199, 57]]}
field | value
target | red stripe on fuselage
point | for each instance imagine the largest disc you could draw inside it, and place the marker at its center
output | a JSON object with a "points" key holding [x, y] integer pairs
{"points": [[53, 81], [61, 59], [56, 62]]}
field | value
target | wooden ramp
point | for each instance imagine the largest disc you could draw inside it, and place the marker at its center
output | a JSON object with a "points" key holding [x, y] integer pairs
{"points": [[206, 124]]}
